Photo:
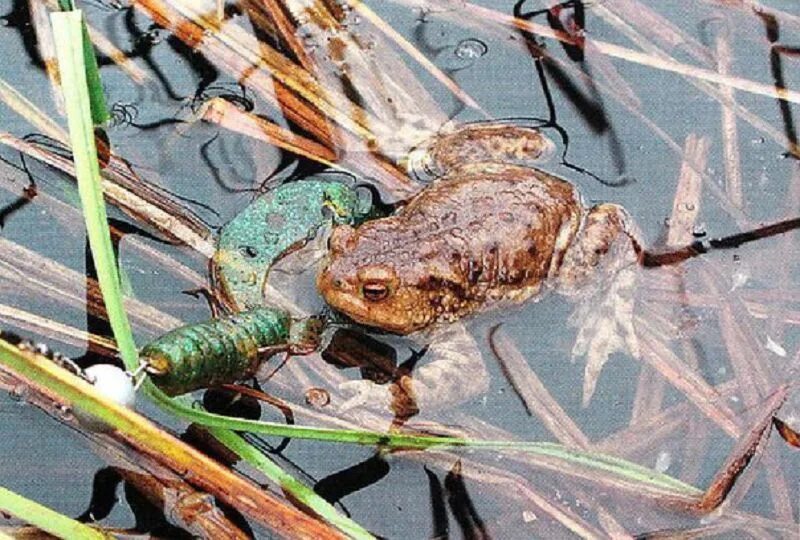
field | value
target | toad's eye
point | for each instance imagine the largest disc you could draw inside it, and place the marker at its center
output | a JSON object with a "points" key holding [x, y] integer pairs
{"points": [[374, 291]]}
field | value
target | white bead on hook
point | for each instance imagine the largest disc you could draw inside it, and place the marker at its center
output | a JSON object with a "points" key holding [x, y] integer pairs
{"points": [[112, 382]]}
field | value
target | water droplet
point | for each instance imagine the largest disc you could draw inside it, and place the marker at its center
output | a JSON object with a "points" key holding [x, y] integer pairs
{"points": [[775, 347], [20, 393], [317, 397], [470, 49], [663, 461], [65, 413], [528, 516]]}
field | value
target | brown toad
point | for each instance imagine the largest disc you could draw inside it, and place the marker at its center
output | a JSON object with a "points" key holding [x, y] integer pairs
{"points": [[489, 233]]}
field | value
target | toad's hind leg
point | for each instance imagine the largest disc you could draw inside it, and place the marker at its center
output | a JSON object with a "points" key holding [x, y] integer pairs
{"points": [[599, 270]]}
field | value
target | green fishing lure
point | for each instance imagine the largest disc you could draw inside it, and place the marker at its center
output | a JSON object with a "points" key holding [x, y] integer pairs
{"points": [[231, 348]]}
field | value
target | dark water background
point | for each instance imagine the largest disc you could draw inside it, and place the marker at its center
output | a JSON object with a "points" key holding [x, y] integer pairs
{"points": [[42, 460]]}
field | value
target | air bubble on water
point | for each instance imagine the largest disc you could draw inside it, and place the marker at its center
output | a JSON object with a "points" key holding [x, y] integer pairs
{"points": [[471, 49]]}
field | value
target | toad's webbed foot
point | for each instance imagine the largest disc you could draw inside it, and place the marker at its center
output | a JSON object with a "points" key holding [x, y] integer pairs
{"points": [[600, 271], [605, 326]]}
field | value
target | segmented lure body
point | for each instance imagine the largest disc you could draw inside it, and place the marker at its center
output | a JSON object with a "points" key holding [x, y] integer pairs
{"points": [[216, 352]]}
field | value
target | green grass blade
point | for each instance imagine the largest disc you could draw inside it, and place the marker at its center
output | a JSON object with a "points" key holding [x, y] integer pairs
{"points": [[46, 519], [97, 98], [299, 491], [68, 33]]}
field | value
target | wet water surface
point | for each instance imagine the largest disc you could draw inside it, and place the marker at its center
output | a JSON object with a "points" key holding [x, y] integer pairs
{"points": [[668, 108]]}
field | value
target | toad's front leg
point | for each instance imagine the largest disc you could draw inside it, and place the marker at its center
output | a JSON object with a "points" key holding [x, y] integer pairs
{"points": [[599, 270], [451, 372]]}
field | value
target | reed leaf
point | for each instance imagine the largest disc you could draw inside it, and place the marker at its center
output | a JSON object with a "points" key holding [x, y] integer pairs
{"points": [[46, 518]]}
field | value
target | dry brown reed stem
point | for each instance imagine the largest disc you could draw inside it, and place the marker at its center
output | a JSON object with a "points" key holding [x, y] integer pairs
{"points": [[645, 59], [56, 331], [686, 204], [710, 89], [132, 195], [414, 53], [685, 209], [274, 10], [182, 15], [753, 375], [788, 246], [758, 310], [730, 133], [226, 114], [288, 91], [743, 453], [648, 395], [346, 61], [71, 222], [533, 393], [346, 57], [750, 6], [103, 45], [615, 83], [23, 272], [687, 381], [636, 439], [747, 356], [517, 487], [782, 491], [193, 511], [45, 45], [123, 62], [136, 435], [611, 526], [27, 110], [272, 90], [660, 29], [229, 116], [647, 434]]}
